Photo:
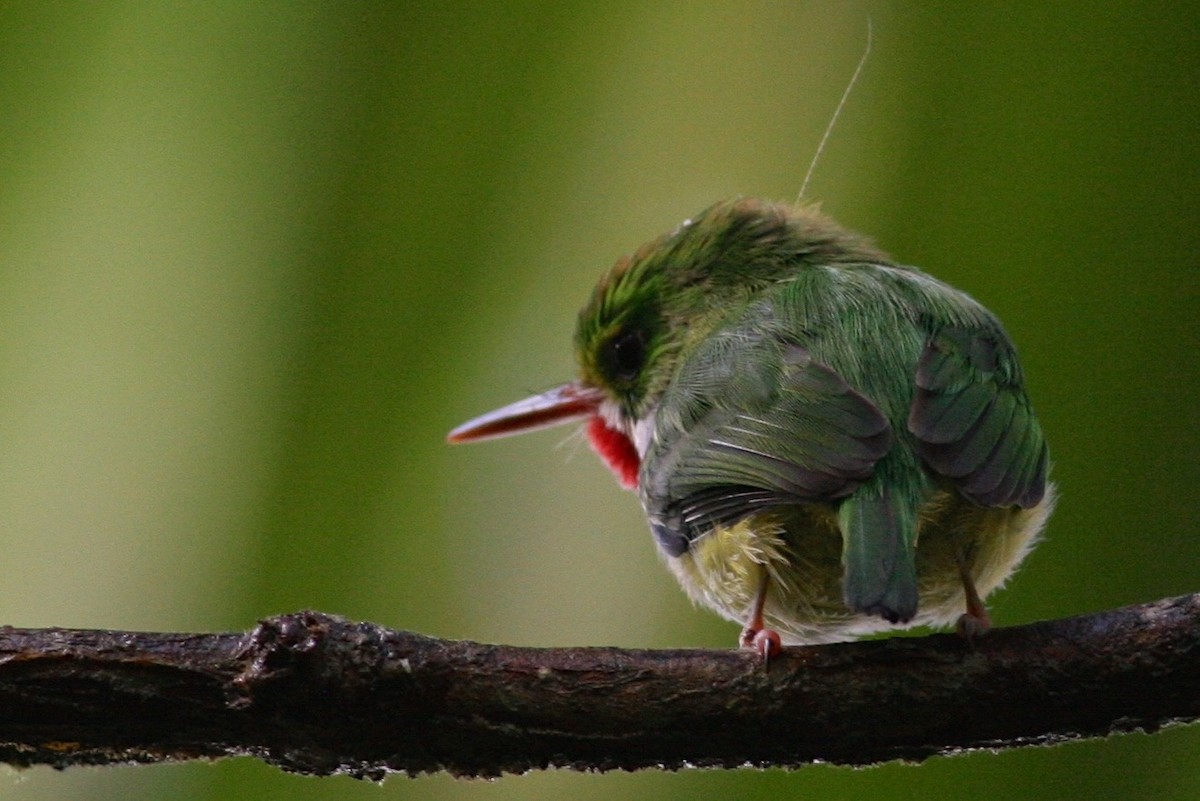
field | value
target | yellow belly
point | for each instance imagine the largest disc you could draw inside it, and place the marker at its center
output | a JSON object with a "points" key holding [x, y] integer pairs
{"points": [[800, 550]]}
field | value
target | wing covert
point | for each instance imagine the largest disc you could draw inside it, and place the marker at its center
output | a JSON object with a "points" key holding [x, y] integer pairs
{"points": [[806, 436], [973, 421]]}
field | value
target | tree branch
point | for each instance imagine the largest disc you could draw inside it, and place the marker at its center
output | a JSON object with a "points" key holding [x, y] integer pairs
{"points": [[319, 694]]}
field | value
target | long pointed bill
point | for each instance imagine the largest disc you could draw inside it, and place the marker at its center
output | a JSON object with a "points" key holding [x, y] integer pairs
{"points": [[559, 405]]}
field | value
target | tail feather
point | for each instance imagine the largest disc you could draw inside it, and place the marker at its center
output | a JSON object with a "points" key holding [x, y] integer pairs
{"points": [[878, 538]]}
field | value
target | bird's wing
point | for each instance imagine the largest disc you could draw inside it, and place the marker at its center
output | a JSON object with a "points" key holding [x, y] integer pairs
{"points": [[794, 431], [973, 421]]}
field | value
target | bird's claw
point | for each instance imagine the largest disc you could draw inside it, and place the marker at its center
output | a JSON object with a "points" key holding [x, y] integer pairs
{"points": [[972, 626], [766, 642]]}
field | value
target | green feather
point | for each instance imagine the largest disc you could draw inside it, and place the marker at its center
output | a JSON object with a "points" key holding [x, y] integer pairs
{"points": [[879, 529], [973, 421], [790, 365]]}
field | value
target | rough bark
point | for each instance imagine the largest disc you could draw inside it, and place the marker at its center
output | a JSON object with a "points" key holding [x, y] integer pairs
{"points": [[319, 694]]}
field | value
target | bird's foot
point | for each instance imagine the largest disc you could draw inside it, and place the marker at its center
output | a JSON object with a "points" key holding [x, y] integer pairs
{"points": [[756, 636], [976, 621], [972, 626], [766, 642]]}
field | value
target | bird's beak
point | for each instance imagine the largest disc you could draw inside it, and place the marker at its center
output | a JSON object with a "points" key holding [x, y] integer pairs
{"points": [[562, 404]]}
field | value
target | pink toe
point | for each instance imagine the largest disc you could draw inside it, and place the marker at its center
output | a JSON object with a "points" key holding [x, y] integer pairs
{"points": [[768, 644]]}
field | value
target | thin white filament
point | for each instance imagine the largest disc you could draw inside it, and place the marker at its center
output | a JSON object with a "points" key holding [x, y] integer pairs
{"points": [[837, 112]]}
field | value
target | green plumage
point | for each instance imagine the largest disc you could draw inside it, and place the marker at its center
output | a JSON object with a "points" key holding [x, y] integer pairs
{"points": [[789, 364], [824, 442], [879, 552]]}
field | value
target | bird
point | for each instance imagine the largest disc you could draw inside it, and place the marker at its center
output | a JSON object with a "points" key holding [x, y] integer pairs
{"points": [[826, 443]]}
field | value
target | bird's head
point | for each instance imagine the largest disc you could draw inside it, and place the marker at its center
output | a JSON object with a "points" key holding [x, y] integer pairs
{"points": [[650, 309]]}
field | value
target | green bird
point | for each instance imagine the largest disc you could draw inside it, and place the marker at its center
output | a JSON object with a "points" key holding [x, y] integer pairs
{"points": [[826, 444]]}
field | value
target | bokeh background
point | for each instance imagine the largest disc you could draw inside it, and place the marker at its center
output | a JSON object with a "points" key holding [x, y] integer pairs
{"points": [[257, 258]]}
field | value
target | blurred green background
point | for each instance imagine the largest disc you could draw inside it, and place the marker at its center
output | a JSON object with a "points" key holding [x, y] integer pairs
{"points": [[257, 258]]}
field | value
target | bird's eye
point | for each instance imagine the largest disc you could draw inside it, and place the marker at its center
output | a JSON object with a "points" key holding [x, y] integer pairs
{"points": [[627, 355]]}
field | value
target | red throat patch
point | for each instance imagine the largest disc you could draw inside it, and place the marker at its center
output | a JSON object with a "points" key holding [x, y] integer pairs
{"points": [[616, 450]]}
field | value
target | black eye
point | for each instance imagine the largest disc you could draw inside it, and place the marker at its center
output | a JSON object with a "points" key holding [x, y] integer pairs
{"points": [[627, 355]]}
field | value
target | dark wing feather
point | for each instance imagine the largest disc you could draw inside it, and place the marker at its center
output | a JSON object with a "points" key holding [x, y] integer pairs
{"points": [[973, 422], [808, 436]]}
